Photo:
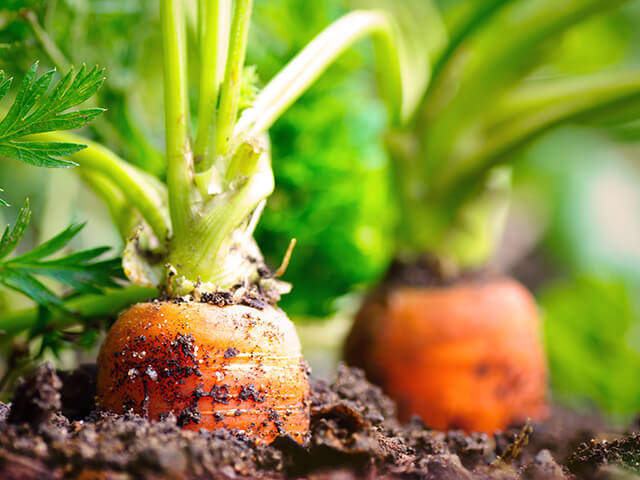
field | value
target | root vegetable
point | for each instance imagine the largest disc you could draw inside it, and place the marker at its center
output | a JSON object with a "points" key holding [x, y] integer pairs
{"points": [[465, 356], [212, 367]]}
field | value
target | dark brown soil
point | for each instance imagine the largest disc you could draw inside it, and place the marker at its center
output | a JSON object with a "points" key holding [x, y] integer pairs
{"points": [[44, 434], [256, 294], [428, 271], [252, 295]]}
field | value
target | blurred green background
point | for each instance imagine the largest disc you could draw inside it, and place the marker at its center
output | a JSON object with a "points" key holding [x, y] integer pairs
{"points": [[572, 233]]}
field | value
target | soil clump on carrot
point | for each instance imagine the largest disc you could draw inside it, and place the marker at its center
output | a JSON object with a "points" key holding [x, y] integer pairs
{"points": [[354, 434], [249, 295]]}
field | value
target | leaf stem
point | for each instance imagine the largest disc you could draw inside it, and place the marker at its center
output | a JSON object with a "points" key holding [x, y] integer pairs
{"points": [[292, 81], [533, 96], [213, 57], [230, 92], [89, 305], [179, 156], [134, 185], [494, 67], [580, 104], [225, 245], [475, 20], [119, 207], [49, 46]]}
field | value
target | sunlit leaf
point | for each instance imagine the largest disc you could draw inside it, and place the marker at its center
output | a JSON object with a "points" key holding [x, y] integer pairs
{"points": [[35, 110]]}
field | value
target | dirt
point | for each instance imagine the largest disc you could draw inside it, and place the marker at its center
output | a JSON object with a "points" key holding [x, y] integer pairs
{"points": [[533, 271], [594, 457], [46, 434], [428, 271], [252, 295]]}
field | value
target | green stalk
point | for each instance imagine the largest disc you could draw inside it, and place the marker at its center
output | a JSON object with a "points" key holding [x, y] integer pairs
{"points": [[460, 235], [225, 246], [296, 77], [135, 185], [213, 56], [222, 222], [593, 103], [535, 95], [463, 130], [476, 19], [230, 97], [119, 207], [531, 126], [221, 226], [448, 218], [493, 67], [200, 15], [48, 45], [179, 156], [99, 305], [49, 14]]}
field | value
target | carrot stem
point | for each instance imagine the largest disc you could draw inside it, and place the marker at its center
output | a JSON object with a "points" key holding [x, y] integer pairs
{"points": [[476, 20], [573, 102], [91, 305], [120, 209], [230, 96], [135, 185], [296, 77], [214, 45], [179, 156], [48, 45]]}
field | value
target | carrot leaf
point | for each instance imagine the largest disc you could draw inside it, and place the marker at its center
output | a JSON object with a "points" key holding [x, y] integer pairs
{"points": [[11, 236], [82, 271], [36, 111], [39, 109]]}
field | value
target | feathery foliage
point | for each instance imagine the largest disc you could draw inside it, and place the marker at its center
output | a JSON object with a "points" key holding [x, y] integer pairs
{"points": [[39, 109], [81, 271]]}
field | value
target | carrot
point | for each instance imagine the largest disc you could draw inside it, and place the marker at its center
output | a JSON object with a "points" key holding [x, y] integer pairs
{"points": [[212, 367], [468, 355], [464, 356]]}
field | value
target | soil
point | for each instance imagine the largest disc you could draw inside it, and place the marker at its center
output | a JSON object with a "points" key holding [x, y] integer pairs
{"points": [[251, 295], [428, 271], [50, 432]]}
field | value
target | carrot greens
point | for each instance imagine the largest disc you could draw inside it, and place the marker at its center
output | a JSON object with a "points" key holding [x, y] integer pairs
{"points": [[42, 106], [81, 271], [194, 232], [36, 110], [217, 194], [480, 109]]}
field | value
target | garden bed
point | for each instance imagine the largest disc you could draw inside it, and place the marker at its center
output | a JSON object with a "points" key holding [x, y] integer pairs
{"points": [[50, 431]]}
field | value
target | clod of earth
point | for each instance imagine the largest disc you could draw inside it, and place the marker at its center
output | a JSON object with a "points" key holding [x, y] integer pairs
{"points": [[35, 402]]}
